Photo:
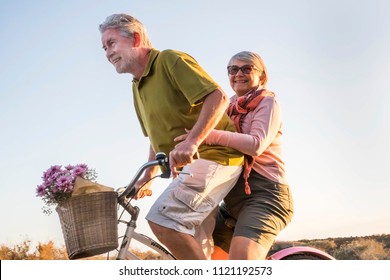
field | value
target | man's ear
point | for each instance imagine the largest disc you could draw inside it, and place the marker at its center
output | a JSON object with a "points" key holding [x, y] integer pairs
{"points": [[137, 39]]}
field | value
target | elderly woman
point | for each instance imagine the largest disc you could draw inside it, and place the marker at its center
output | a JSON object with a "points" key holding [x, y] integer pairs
{"points": [[260, 205]]}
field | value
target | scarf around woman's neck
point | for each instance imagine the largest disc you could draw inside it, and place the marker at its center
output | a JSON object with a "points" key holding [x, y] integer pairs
{"points": [[237, 111]]}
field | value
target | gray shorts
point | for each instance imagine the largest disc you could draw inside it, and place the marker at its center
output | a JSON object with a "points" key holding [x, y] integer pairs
{"points": [[188, 204], [259, 216]]}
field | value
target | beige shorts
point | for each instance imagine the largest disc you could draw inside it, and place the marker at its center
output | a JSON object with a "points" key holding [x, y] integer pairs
{"points": [[188, 204]]}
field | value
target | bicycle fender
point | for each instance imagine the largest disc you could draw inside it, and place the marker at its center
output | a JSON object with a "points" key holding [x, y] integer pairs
{"points": [[299, 250]]}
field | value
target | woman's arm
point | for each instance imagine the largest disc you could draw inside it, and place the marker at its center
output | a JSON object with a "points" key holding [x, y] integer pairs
{"points": [[260, 129]]}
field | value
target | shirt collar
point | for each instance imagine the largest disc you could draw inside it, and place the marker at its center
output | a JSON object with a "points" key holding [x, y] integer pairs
{"points": [[152, 57]]}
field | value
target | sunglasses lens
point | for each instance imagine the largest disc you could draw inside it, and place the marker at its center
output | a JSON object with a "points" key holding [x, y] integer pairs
{"points": [[232, 70], [246, 69]]}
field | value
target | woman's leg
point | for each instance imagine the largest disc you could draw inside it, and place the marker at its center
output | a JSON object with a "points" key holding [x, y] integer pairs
{"points": [[243, 248], [259, 216]]}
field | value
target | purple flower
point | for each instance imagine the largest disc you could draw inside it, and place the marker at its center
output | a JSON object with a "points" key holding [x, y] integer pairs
{"points": [[69, 167], [64, 182], [80, 170], [41, 190], [53, 190], [47, 183], [68, 188], [51, 172], [82, 165], [58, 182]]}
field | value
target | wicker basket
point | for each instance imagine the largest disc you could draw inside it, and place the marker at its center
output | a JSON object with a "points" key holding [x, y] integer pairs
{"points": [[89, 224]]}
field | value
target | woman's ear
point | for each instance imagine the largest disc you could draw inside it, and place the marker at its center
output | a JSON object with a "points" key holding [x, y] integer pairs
{"points": [[263, 78]]}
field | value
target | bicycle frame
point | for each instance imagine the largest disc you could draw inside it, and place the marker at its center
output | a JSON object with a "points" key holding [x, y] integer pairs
{"points": [[130, 234]]}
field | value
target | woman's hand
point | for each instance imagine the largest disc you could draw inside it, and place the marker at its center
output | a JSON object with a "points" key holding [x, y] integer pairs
{"points": [[207, 141], [183, 136]]}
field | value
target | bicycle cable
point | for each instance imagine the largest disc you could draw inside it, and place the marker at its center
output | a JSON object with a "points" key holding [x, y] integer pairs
{"points": [[128, 202]]}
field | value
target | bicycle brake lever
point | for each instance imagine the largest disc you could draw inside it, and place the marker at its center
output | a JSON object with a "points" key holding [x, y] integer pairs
{"points": [[164, 165], [179, 172]]}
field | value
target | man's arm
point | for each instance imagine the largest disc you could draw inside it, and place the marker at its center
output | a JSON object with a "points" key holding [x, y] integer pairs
{"points": [[214, 105]]}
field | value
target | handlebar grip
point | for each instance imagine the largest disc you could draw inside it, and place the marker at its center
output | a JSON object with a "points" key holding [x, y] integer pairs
{"points": [[164, 165]]}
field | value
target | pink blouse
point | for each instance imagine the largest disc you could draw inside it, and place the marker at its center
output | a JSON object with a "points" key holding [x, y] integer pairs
{"points": [[261, 138]]}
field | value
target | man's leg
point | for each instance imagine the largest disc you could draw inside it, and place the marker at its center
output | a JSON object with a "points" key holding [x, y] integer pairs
{"points": [[178, 214], [183, 246]]}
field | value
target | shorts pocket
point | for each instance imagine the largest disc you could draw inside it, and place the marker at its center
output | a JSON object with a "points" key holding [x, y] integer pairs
{"points": [[187, 206], [194, 200]]}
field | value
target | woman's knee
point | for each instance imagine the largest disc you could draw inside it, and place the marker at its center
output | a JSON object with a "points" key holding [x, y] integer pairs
{"points": [[243, 248]]}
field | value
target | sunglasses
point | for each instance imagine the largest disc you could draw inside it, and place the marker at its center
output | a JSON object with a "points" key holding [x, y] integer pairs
{"points": [[245, 69]]}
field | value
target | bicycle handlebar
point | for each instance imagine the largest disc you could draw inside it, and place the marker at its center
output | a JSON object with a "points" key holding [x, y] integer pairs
{"points": [[161, 160]]}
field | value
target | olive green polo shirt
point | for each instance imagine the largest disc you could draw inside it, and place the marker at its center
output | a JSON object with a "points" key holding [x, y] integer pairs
{"points": [[167, 100]]}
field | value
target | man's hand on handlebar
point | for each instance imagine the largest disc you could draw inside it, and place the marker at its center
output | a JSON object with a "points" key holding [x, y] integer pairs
{"points": [[182, 155]]}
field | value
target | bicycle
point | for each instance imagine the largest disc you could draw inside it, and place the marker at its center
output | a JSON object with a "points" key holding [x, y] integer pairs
{"points": [[125, 198]]}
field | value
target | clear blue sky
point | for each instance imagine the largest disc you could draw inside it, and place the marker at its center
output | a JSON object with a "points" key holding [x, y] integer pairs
{"points": [[61, 102]]}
